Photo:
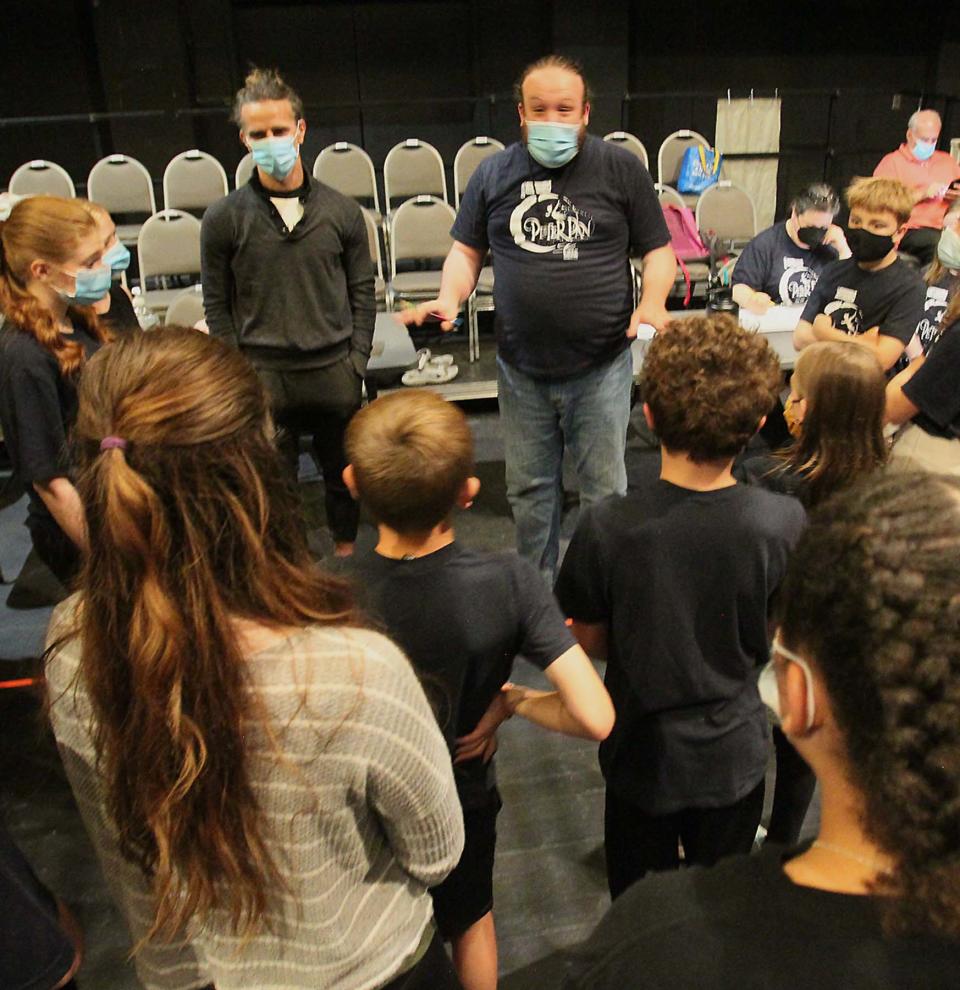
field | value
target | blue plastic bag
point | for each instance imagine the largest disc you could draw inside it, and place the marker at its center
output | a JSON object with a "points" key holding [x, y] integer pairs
{"points": [[699, 169]]}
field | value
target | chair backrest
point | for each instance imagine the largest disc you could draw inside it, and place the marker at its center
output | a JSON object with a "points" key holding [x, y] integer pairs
{"points": [[631, 143], [169, 244], [671, 153], [467, 159], [667, 194], [419, 229], [122, 185], [186, 308], [413, 168], [373, 239], [348, 169], [727, 210], [193, 180], [244, 171], [42, 178]]}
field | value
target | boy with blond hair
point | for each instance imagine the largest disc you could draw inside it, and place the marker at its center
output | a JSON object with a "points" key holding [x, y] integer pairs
{"points": [[670, 584], [873, 297], [461, 616]]}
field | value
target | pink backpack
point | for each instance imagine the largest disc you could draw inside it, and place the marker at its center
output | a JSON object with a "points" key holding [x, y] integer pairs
{"points": [[684, 239]]}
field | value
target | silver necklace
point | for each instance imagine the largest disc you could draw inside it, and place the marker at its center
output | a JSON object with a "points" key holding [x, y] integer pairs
{"points": [[840, 851]]}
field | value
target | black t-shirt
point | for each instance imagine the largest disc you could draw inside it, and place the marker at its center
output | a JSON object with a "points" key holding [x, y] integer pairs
{"points": [[38, 406], [561, 241], [772, 263], [121, 317], [682, 580], [35, 954], [462, 616], [857, 300], [935, 388], [930, 320], [745, 925]]}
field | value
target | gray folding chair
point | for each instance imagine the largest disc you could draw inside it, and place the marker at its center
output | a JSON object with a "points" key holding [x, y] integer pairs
{"points": [[468, 157], [419, 232], [193, 180], [348, 169], [671, 154], [244, 171], [667, 194], [123, 186], [631, 143], [376, 256], [169, 244], [413, 168], [41, 178], [725, 212], [186, 308]]}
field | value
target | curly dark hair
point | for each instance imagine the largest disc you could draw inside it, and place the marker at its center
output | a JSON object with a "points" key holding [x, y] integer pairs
{"points": [[872, 598], [708, 382]]}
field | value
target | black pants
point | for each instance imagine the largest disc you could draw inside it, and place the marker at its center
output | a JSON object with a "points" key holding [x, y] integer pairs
{"points": [[637, 843], [921, 243], [319, 402], [56, 550], [792, 793], [434, 971]]}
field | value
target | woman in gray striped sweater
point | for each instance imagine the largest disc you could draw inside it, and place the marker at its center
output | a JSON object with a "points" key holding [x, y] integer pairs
{"points": [[262, 777]]}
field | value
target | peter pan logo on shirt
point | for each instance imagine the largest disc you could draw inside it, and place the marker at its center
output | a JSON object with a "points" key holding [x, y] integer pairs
{"points": [[928, 329], [844, 312], [546, 222], [797, 282]]}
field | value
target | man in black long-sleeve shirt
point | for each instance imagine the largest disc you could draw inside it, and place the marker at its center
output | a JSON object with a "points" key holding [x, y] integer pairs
{"points": [[287, 277]]}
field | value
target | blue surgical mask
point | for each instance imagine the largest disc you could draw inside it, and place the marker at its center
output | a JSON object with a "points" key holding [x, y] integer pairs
{"points": [[769, 690], [276, 155], [923, 150], [92, 284], [552, 144], [948, 249], [118, 258]]}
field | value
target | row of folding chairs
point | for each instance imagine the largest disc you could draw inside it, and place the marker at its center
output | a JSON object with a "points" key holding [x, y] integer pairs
{"points": [[194, 179]]}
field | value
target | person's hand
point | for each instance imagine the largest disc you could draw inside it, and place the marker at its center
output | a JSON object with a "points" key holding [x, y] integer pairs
{"points": [[935, 190], [823, 327], [952, 194], [654, 314], [482, 742], [835, 238], [758, 303], [873, 334], [446, 309]]}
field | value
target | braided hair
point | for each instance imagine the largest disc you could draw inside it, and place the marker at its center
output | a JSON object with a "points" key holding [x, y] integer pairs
{"points": [[872, 597]]}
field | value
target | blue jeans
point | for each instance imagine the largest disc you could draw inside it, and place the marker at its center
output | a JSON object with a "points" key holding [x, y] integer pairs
{"points": [[589, 415]]}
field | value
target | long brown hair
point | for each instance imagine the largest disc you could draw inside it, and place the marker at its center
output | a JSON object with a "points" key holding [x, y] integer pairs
{"points": [[842, 434], [938, 269], [872, 599], [189, 528], [48, 228]]}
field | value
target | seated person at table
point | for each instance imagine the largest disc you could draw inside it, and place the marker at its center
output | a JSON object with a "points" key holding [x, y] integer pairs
{"points": [[461, 616], [929, 175], [863, 678], [781, 265], [873, 297], [670, 583]]}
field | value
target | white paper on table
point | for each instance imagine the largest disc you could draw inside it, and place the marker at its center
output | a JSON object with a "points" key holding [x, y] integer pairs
{"points": [[777, 319]]}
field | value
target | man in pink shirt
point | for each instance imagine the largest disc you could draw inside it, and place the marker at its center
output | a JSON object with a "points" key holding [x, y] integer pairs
{"points": [[929, 173]]}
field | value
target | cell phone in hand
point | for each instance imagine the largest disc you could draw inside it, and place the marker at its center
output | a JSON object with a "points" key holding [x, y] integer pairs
{"points": [[955, 184]]}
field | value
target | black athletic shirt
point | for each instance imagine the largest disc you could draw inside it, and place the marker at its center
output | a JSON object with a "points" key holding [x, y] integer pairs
{"points": [[38, 406], [682, 580], [744, 925], [773, 264], [462, 616], [935, 388]]}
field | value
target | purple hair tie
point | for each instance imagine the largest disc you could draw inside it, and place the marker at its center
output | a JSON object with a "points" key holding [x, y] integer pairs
{"points": [[113, 443]]}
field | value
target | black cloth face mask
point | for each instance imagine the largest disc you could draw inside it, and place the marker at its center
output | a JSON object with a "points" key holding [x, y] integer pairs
{"points": [[867, 246], [812, 236]]}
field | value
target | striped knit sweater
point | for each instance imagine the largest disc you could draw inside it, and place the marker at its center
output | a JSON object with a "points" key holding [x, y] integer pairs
{"points": [[363, 812]]}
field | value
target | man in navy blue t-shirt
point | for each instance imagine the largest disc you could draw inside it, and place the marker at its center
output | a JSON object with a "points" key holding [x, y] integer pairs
{"points": [[562, 213]]}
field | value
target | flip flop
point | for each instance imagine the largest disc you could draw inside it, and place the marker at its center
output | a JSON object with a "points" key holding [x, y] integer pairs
{"points": [[430, 374], [425, 357]]}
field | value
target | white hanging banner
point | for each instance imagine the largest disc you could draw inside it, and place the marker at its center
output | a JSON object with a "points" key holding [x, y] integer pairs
{"points": [[745, 126]]}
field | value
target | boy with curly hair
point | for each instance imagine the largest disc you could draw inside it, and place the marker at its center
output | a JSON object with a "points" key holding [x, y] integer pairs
{"points": [[671, 584]]}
